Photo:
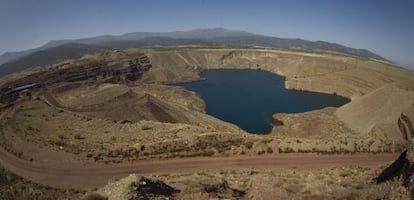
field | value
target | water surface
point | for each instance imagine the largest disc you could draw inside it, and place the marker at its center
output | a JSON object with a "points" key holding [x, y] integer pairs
{"points": [[248, 98]]}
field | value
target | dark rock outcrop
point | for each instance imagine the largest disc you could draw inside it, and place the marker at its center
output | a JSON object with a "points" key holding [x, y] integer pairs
{"points": [[146, 188], [402, 169]]}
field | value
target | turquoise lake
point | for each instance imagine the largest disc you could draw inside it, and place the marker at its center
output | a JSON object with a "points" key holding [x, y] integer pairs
{"points": [[249, 98]]}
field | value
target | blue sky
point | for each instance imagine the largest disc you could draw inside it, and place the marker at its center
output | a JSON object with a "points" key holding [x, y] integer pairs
{"points": [[384, 27]]}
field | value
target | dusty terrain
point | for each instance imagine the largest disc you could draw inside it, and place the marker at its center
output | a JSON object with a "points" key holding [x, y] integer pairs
{"points": [[113, 113], [327, 183]]}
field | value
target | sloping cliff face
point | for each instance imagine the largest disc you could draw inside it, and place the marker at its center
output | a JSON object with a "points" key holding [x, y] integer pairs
{"points": [[377, 113], [379, 92], [344, 76]]}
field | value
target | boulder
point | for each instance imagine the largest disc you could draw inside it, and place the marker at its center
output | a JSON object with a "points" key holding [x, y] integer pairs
{"points": [[146, 188]]}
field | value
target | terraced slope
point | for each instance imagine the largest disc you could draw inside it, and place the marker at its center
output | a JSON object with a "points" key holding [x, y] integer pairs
{"points": [[380, 92]]}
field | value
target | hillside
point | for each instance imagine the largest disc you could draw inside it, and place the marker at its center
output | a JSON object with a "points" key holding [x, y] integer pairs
{"points": [[48, 56]]}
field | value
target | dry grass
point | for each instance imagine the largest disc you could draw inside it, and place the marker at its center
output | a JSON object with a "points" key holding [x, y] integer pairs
{"points": [[145, 126]]}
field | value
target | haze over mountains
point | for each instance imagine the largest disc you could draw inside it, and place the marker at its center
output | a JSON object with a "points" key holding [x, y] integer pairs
{"points": [[58, 50]]}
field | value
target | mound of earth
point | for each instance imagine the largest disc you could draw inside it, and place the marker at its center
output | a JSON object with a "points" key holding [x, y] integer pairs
{"points": [[133, 104]]}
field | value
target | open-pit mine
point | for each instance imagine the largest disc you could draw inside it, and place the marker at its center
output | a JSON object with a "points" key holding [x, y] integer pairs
{"points": [[114, 124]]}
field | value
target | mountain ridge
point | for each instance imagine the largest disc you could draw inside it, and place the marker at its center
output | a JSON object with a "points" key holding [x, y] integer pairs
{"points": [[212, 36]]}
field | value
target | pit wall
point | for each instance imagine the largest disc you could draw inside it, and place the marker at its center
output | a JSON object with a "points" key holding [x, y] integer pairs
{"points": [[340, 75], [330, 74]]}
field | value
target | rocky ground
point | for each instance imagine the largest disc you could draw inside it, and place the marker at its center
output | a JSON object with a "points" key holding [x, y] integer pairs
{"points": [[103, 139], [334, 183], [14, 187]]}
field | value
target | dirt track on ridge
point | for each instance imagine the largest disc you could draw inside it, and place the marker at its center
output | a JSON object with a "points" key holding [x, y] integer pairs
{"points": [[95, 175]]}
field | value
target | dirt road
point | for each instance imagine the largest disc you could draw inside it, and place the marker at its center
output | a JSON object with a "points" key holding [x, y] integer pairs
{"points": [[90, 175], [95, 175]]}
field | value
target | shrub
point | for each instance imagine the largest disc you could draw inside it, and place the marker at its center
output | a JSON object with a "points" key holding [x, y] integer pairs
{"points": [[29, 128], [207, 153], [77, 136], [114, 138], [60, 136], [145, 126], [269, 150], [249, 145], [95, 196]]}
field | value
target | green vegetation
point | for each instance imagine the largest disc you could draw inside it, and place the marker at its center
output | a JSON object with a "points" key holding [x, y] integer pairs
{"points": [[29, 127], [78, 136], [249, 145], [114, 138], [145, 126], [60, 136]]}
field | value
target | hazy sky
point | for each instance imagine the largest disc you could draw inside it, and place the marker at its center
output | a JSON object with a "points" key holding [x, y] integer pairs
{"points": [[384, 27]]}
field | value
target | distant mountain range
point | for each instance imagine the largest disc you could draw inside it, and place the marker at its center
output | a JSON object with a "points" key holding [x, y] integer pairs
{"points": [[58, 50]]}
